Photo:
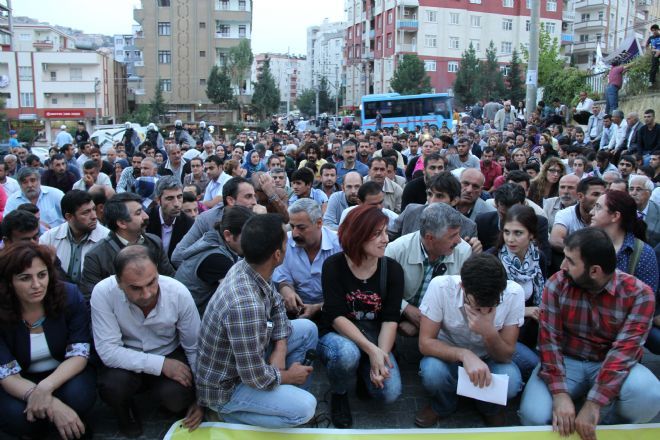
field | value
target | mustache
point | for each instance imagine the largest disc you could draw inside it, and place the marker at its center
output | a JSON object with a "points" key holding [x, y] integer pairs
{"points": [[298, 239]]}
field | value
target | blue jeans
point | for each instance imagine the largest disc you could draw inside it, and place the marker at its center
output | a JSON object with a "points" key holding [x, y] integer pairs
{"points": [[79, 393], [638, 400], [653, 341], [612, 98], [440, 379], [284, 406], [343, 360], [525, 359]]}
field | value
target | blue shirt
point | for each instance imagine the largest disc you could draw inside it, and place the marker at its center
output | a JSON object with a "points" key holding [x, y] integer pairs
{"points": [[13, 143], [336, 205], [359, 167], [305, 277], [315, 194], [647, 267], [48, 204]]}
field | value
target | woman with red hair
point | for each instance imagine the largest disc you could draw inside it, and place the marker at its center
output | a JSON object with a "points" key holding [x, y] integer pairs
{"points": [[362, 292]]}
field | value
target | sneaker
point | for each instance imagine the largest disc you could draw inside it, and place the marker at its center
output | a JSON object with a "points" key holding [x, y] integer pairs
{"points": [[340, 411]]}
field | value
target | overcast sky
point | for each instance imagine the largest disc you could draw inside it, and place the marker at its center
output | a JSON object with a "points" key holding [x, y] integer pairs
{"points": [[278, 25]]}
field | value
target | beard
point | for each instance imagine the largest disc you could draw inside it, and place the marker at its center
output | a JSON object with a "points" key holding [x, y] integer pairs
{"points": [[582, 282]]}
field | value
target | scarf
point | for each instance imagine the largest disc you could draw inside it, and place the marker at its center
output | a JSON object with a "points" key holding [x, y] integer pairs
{"points": [[524, 271]]}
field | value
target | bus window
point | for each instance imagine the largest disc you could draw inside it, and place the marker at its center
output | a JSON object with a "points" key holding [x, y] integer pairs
{"points": [[441, 107]]}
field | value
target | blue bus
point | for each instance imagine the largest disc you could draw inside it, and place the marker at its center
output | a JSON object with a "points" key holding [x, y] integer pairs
{"points": [[407, 110]]}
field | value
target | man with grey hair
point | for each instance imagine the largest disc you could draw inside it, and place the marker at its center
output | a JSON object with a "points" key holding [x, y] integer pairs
{"points": [[148, 167], [470, 204], [167, 220], [620, 128], [46, 198], [640, 189], [309, 244], [436, 249]]}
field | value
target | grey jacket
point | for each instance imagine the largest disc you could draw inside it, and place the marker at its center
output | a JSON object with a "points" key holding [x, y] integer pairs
{"points": [[408, 222], [203, 224]]}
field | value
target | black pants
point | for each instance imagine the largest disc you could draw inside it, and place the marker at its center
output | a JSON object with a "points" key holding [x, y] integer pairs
{"points": [[654, 69], [118, 386]]}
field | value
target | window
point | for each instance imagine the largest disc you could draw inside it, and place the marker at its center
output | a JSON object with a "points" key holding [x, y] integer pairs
{"points": [[584, 38], [507, 3], [163, 3], [78, 99], [224, 4], [389, 17], [242, 5], [202, 25], [454, 43], [431, 40], [25, 73], [505, 70], [431, 16], [221, 58], [53, 101], [222, 30], [350, 33], [75, 74], [601, 15], [242, 31], [164, 28], [507, 47], [429, 65], [202, 82], [527, 25], [475, 21], [164, 57], [599, 37], [453, 18], [507, 24], [452, 66], [475, 2], [165, 85], [476, 44], [27, 99], [550, 27], [584, 17], [551, 5], [389, 41], [379, 44], [53, 76]]}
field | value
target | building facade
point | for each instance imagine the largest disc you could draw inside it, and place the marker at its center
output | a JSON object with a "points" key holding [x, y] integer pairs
{"points": [[288, 72], [325, 49], [380, 32], [180, 41]]}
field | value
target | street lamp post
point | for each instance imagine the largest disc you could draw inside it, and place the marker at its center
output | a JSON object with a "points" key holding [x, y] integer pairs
{"points": [[97, 83]]}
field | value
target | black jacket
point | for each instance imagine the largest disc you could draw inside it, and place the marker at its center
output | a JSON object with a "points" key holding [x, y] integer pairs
{"points": [[182, 225]]}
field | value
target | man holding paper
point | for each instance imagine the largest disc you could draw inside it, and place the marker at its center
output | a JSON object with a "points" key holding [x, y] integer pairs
{"points": [[472, 321], [594, 321]]}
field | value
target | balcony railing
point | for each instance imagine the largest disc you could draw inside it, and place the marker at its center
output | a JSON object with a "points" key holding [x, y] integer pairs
{"points": [[591, 4], [407, 24], [404, 47], [568, 16], [589, 24], [222, 35], [43, 44]]}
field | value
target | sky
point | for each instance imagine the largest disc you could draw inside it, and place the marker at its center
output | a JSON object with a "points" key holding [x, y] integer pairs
{"points": [[278, 25]]}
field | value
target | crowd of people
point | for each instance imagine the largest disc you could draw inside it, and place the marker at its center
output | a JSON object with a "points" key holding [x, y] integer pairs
{"points": [[213, 272]]}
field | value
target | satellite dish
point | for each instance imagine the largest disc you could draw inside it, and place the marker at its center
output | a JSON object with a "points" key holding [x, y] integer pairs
{"points": [[4, 81]]}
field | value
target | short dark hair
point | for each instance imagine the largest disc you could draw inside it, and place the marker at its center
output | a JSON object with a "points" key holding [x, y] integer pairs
{"points": [[90, 165], [215, 159], [73, 200], [132, 253], [629, 158], [115, 209], [261, 237], [509, 195], [376, 159], [57, 156], [20, 221], [28, 207], [533, 166], [595, 246], [518, 176], [327, 166], [447, 183], [230, 188], [370, 188], [649, 112], [488, 150], [233, 219], [434, 156], [304, 175], [484, 278], [189, 197], [31, 158], [98, 194], [588, 182], [64, 148]]}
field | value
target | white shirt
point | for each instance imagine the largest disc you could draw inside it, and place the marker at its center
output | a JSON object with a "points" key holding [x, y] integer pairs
{"points": [[102, 179], [567, 217], [585, 106], [391, 215], [443, 303], [40, 358], [125, 339], [619, 135], [11, 186], [214, 188]]}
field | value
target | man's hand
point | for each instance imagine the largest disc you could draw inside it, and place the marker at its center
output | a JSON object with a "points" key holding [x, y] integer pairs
{"points": [[563, 414], [267, 185], [88, 180], [479, 323], [413, 314], [259, 209], [533, 312], [587, 419], [297, 374], [177, 371], [476, 369], [193, 417], [475, 244], [66, 421], [292, 301], [310, 310]]}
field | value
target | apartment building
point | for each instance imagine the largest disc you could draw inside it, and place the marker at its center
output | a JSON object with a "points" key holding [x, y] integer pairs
{"points": [[181, 41], [325, 50], [380, 32], [287, 70], [46, 79]]}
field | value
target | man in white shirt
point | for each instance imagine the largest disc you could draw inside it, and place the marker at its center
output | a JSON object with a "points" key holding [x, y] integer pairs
{"points": [[583, 109], [217, 179], [91, 176], [620, 128], [63, 137], [145, 331], [471, 321], [10, 185]]}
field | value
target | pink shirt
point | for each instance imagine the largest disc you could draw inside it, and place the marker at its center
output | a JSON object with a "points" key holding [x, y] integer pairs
{"points": [[615, 77]]}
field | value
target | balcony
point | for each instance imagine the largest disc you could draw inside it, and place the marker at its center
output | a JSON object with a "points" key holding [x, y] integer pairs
{"points": [[372, 34], [409, 3], [43, 44], [566, 38], [369, 55], [411, 25], [591, 24], [222, 35], [139, 63], [585, 46], [590, 4], [406, 48], [568, 16], [640, 16], [644, 3], [233, 16]]}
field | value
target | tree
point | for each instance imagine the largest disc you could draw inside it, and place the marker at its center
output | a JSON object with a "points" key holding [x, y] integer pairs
{"points": [[467, 83], [218, 87], [266, 96], [239, 62], [516, 89], [326, 102], [157, 104], [306, 102], [492, 80], [410, 78], [550, 62]]}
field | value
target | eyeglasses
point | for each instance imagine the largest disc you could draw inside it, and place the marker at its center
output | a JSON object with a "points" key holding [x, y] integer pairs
{"points": [[554, 171]]}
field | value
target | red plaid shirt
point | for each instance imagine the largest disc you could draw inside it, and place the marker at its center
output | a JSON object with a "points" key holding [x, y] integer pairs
{"points": [[490, 173], [608, 327]]}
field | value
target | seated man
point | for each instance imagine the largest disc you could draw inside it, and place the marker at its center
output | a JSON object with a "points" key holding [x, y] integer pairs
{"points": [[92, 175], [472, 321], [594, 320], [301, 181], [371, 193], [73, 239], [145, 331], [249, 353], [470, 203], [436, 249], [126, 221], [341, 200], [18, 226], [45, 198], [309, 244]]}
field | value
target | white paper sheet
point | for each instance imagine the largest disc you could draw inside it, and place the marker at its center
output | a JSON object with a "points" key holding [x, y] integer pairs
{"points": [[494, 393]]}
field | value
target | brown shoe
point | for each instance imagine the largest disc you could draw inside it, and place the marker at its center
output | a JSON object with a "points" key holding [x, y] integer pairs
{"points": [[426, 417], [496, 420]]}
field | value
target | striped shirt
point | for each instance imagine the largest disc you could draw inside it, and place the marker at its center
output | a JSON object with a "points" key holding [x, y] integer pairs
{"points": [[608, 327], [244, 316]]}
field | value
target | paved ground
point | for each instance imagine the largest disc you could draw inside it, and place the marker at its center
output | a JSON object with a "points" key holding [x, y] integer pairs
{"points": [[365, 414]]}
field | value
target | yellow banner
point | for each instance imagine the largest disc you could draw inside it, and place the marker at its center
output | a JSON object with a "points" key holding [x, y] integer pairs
{"points": [[226, 431]]}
